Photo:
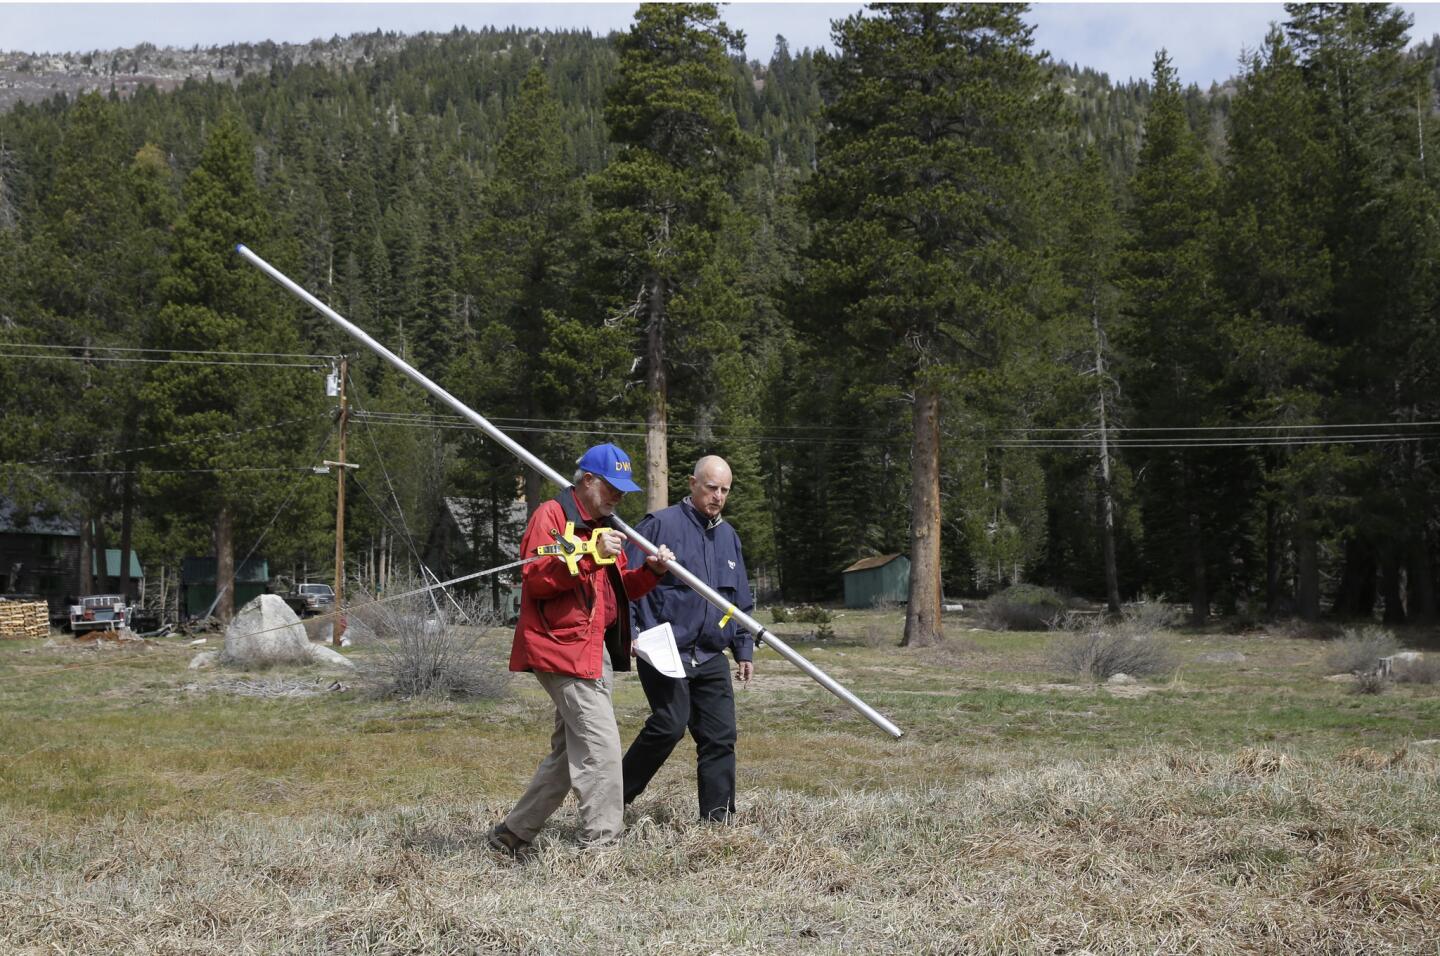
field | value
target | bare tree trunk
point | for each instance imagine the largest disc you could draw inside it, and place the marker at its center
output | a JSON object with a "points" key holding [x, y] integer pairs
{"points": [[1107, 501], [127, 523], [383, 577], [102, 565], [1195, 544], [657, 462], [1199, 584], [1420, 581], [1272, 558], [922, 616], [495, 553], [224, 565], [534, 483], [534, 490], [86, 575], [1391, 590], [1307, 566], [127, 499]]}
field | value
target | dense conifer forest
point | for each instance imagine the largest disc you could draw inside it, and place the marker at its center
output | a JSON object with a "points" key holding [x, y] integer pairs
{"points": [[929, 294]]}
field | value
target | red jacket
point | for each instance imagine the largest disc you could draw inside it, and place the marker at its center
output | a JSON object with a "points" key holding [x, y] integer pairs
{"points": [[562, 616]]}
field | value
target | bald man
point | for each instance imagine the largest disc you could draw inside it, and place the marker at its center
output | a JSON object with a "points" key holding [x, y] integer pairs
{"points": [[703, 701]]}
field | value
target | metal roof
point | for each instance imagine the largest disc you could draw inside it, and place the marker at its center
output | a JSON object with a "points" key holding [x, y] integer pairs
{"points": [[16, 521], [865, 564]]}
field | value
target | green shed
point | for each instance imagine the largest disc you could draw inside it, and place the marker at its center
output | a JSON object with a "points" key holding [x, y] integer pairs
{"points": [[870, 581], [197, 583]]}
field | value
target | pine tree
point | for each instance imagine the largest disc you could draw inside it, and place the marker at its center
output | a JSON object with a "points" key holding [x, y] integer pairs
{"points": [[215, 301], [931, 108], [522, 264], [663, 200], [1090, 244], [1173, 338], [1377, 214], [1276, 268]]}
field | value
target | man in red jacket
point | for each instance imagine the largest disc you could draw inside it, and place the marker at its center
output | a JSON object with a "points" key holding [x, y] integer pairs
{"points": [[573, 632]]}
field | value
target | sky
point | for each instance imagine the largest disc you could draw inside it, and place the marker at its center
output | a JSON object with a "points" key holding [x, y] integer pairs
{"points": [[1204, 40]]}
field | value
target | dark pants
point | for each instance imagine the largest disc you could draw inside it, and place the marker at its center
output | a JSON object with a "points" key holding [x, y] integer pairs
{"points": [[705, 703]]}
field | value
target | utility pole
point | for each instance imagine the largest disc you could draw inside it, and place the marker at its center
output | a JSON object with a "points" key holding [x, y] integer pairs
{"points": [[337, 628]]}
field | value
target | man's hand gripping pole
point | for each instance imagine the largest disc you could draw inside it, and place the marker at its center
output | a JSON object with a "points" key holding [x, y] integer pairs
{"points": [[571, 548], [519, 451]]}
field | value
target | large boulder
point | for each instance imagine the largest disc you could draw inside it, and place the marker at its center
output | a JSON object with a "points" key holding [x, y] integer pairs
{"points": [[266, 632]]}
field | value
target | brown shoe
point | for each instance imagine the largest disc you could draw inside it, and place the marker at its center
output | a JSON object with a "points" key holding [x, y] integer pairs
{"points": [[502, 840]]}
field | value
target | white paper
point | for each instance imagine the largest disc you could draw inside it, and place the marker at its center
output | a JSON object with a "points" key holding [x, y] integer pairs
{"points": [[656, 647]]}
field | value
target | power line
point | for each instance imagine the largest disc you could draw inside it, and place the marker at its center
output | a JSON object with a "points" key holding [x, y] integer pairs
{"points": [[144, 361], [177, 471], [1290, 443], [1060, 444], [522, 424], [119, 348], [173, 444], [399, 511]]}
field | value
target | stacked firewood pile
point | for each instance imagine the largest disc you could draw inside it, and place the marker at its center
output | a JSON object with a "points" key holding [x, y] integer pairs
{"points": [[24, 619]]}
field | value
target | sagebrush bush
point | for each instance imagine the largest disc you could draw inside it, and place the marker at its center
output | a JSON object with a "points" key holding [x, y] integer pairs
{"points": [[1103, 649], [1369, 682], [1022, 607], [1151, 616], [416, 649], [1358, 651]]}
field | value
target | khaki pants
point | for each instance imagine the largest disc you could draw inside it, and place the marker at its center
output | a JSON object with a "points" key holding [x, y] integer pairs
{"points": [[584, 756]]}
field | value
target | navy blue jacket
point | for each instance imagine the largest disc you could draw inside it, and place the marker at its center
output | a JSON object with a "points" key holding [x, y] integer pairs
{"points": [[713, 555]]}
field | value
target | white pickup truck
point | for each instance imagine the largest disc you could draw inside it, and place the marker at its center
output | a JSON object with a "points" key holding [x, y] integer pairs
{"points": [[99, 612]]}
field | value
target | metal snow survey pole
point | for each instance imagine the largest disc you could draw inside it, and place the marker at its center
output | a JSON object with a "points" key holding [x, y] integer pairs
{"points": [[479, 421]]}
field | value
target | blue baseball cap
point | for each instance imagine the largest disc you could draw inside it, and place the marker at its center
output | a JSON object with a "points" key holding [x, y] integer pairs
{"points": [[610, 463]]}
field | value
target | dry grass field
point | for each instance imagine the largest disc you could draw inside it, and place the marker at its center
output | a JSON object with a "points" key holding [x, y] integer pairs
{"points": [[1231, 806]]}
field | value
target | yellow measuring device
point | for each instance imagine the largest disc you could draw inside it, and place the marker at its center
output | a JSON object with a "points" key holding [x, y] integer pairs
{"points": [[571, 548]]}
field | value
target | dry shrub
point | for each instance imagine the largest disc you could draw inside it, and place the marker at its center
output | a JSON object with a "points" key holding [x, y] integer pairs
{"points": [[1363, 758], [1358, 651], [1151, 616], [1259, 761], [1369, 682], [1184, 761], [416, 649], [1101, 650], [1022, 607]]}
